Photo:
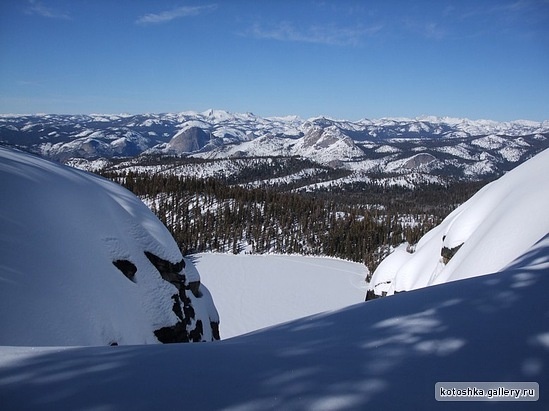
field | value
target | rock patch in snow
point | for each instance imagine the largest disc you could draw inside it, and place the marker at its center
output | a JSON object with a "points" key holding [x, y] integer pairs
{"points": [[67, 236]]}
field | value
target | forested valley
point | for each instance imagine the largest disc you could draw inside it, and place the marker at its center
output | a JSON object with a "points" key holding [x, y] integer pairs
{"points": [[358, 222]]}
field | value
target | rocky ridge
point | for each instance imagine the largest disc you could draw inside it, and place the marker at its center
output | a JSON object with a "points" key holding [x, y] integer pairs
{"points": [[462, 148]]}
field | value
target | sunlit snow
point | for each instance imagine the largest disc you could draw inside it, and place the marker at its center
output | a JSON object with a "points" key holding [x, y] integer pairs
{"points": [[497, 225], [382, 354]]}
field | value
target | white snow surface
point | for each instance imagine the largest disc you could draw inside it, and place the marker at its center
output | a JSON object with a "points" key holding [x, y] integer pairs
{"points": [[384, 354], [496, 226], [257, 291], [61, 231]]}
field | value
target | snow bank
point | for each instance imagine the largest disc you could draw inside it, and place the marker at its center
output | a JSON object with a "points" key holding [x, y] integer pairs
{"points": [[386, 354], [483, 235], [61, 231], [257, 291]]}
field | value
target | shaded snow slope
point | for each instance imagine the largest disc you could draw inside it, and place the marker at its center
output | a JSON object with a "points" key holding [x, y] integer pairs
{"points": [[61, 231], [483, 235], [384, 354], [256, 291]]}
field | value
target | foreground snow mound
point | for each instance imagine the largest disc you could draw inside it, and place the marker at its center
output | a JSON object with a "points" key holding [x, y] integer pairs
{"points": [[387, 354], [84, 262], [483, 235]]}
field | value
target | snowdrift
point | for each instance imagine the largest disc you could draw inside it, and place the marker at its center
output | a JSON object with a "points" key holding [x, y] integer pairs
{"points": [[485, 234], [62, 231], [256, 291]]}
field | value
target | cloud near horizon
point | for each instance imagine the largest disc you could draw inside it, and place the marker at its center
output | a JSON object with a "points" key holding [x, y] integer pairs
{"points": [[172, 14]]}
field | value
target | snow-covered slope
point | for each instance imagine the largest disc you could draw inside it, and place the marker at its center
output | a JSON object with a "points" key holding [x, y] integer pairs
{"points": [[257, 291], [385, 354], [496, 226], [62, 231]]}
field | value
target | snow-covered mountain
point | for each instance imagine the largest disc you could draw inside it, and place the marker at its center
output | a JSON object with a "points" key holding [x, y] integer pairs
{"points": [[493, 229], [461, 147], [85, 262]]}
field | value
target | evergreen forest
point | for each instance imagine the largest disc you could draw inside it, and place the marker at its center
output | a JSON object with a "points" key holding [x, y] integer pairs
{"points": [[358, 222]]}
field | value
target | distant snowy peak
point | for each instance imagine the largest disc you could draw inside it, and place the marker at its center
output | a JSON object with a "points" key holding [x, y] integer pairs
{"points": [[462, 147], [428, 126]]}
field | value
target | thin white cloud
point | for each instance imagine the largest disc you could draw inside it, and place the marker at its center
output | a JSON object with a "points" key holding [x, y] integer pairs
{"points": [[38, 8], [525, 18], [430, 30], [328, 35], [176, 13], [514, 10]]}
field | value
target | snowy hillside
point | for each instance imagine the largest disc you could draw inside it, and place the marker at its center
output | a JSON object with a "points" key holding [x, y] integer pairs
{"points": [[84, 262], [444, 146], [496, 226], [385, 354]]}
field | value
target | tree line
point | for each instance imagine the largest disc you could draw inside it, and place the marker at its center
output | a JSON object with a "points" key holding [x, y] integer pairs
{"points": [[212, 215]]}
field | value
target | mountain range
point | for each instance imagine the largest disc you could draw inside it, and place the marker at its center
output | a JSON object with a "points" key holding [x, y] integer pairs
{"points": [[439, 146]]}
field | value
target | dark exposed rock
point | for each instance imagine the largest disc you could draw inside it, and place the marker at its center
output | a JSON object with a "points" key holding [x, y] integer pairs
{"points": [[169, 271], [447, 253], [419, 160], [183, 330], [187, 141], [194, 286], [127, 267], [188, 309], [215, 330], [177, 307], [175, 334], [196, 334], [370, 295]]}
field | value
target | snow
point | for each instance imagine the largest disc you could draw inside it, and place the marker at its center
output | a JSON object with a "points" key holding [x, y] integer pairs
{"points": [[303, 174], [330, 142], [497, 225], [385, 271], [382, 354], [387, 149], [460, 150], [61, 231], [256, 291], [511, 154], [483, 167], [491, 141]]}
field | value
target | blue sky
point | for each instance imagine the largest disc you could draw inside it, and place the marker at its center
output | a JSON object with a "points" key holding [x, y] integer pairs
{"points": [[342, 59]]}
